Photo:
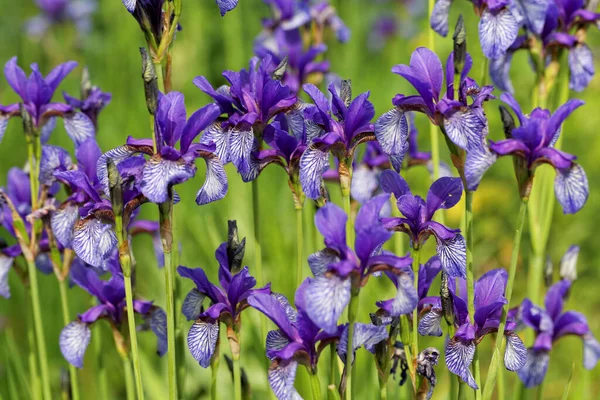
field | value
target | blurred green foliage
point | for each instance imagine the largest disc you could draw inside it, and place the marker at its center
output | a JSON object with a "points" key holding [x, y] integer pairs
{"points": [[209, 44]]}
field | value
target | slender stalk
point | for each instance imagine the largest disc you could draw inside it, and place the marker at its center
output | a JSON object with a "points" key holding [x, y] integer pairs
{"points": [[352, 313], [166, 232], [492, 375], [347, 209], [39, 329], [129, 385], [214, 369], [416, 256], [332, 364], [64, 301], [299, 245], [315, 384], [237, 377], [34, 376], [471, 280], [433, 133], [160, 78], [133, 338]]}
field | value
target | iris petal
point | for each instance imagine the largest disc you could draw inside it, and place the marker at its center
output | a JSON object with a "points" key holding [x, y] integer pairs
{"points": [[465, 128], [94, 241], [571, 188], [159, 174], [326, 299], [391, 131], [533, 372], [54, 158], [313, 164], [453, 255], [319, 261], [281, 376], [220, 137], [406, 298], [581, 65], [158, 325], [276, 340], [515, 355], [5, 265], [63, 221], [79, 127], [202, 339], [429, 325], [215, 185], [459, 357], [241, 143], [367, 335], [73, 341], [497, 31], [192, 305], [439, 16], [591, 352], [479, 160]]}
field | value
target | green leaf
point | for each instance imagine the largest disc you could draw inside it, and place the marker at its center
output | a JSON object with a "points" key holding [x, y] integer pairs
{"points": [[490, 382], [568, 387]]}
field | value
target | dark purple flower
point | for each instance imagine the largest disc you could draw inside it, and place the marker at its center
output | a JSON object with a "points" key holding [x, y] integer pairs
{"points": [[226, 5], [53, 12], [463, 121], [418, 222], [325, 15], [383, 28], [75, 337], [341, 125], [532, 143], [337, 267], [227, 301], [92, 101], [253, 99], [36, 94], [551, 324]]}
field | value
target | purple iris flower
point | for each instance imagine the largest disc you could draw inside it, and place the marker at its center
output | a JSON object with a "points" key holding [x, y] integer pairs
{"points": [[499, 24], [555, 29], [383, 28], [92, 101], [253, 99], [489, 300], [227, 301], [298, 340], [532, 144], [168, 165], [342, 125], [226, 5], [75, 337], [54, 12], [463, 121], [551, 324], [417, 221], [338, 269], [365, 175], [324, 15], [36, 94]]}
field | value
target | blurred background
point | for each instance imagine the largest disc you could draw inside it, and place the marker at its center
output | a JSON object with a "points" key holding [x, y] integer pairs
{"points": [[209, 44]]}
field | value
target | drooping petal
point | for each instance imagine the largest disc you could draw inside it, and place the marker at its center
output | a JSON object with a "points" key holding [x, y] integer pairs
{"points": [[364, 183], [160, 174], [54, 158], [568, 264], [326, 299], [439, 16], [276, 340], [192, 304], [500, 72], [216, 184], [367, 335], [158, 325], [313, 163], [531, 13], [281, 377], [5, 265], [73, 341], [241, 143], [459, 357], [391, 131], [406, 298], [465, 128], [320, 261], [497, 31], [571, 188], [94, 241], [479, 160], [515, 355], [581, 65], [79, 127], [129, 5], [591, 352], [63, 222], [118, 155], [202, 339], [443, 193], [571, 323], [452, 251], [430, 323], [226, 6], [534, 371], [275, 311], [220, 137]]}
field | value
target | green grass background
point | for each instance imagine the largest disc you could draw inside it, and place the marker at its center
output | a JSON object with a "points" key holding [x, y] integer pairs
{"points": [[210, 44]]}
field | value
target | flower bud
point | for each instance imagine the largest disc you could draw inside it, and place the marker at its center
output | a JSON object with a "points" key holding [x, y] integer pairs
{"points": [[235, 248], [507, 121], [150, 81], [548, 268], [460, 45], [447, 302], [346, 92], [28, 126], [280, 69], [568, 264], [115, 187], [86, 84]]}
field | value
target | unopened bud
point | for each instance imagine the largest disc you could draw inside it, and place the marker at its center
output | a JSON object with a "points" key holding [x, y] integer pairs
{"points": [[447, 302], [280, 70], [235, 247], [346, 92], [86, 84], [507, 121], [460, 45], [548, 268], [115, 187], [150, 81], [28, 126], [568, 264]]}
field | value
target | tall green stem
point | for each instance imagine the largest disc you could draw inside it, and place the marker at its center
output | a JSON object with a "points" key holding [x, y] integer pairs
{"points": [[159, 77], [433, 133], [129, 385], [257, 247], [64, 301], [490, 382], [352, 313], [39, 329], [234, 344], [348, 210], [34, 376], [416, 256], [166, 234], [471, 281], [214, 370], [315, 384], [299, 245]]}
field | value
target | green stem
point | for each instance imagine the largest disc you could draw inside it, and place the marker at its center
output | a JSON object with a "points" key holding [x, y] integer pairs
{"points": [[159, 75], [133, 337], [416, 256], [433, 133], [39, 329], [315, 384], [492, 375], [348, 210], [64, 301], [258, 248], [129, 385], [214, 369], [484, 71], [501, 383], [299, 245], [471, 280], [332, 364], [352, 314], [34, 376], [237, 377]]}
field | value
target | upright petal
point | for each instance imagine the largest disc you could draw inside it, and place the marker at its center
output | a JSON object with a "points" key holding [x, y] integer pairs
{"points": [[326, 299], [160, 174], [215, 185], [198, 121], [370, 233], [314, 162], [430, 323], [16, 78], [581, 66], [5, 265], [79, 127], [559, 116], [490, 287], [275, 311], [425, 73], [391, 131], [534, 371], [515, 355], [439, 16], [459, 356], [571, 188], [73, 341], [497, 31], [281, 377], [60, 72], [443, 193], [94, 241], [393, 182], [63, 222], [202, 339], [192, 304]]}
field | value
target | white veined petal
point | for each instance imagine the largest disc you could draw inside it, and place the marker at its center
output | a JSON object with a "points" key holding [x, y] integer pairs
{"points": [[202, 339], [73, 341]]}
